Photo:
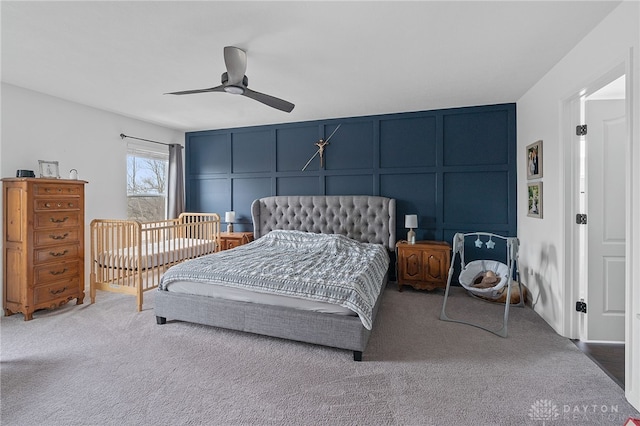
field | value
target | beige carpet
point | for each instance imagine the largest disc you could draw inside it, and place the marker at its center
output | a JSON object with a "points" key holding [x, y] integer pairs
{"points": [[106, 364]]}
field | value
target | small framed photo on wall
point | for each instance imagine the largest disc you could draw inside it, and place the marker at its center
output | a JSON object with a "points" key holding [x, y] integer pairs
{"points": [[534, 160], [534, 197], [49, 169]]}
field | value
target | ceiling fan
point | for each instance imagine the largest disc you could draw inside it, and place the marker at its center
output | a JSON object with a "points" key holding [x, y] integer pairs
{"points": [[234, 81]]}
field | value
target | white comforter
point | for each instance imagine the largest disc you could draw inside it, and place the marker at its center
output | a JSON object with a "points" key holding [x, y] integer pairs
{"points": [[329, 268]]}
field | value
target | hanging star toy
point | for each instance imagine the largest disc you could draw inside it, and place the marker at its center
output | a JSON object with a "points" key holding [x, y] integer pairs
{"points": [[490, 243]]}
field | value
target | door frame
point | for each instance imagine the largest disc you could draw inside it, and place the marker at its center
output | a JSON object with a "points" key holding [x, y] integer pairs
{"points": [[573, 287]]}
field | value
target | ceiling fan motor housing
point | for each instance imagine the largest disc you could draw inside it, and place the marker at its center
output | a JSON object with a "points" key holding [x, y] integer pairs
{"points": [[225, 79]]}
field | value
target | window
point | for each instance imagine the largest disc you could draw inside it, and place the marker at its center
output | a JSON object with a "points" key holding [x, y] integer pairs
{"points": [[146, 184]]}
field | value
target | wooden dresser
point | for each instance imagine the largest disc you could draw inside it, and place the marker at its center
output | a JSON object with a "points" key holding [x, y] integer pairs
{"points": [[423, 265], [229, 240], [43, 244]]}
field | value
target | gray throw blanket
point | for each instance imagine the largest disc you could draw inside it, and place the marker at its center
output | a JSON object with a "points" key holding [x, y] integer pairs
{"points": [[323, 267]]}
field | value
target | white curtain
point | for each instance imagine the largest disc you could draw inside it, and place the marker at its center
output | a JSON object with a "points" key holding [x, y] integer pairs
{"points": [[175, 189]]}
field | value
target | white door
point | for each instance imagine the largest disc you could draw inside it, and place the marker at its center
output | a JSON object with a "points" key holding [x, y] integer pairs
{"points": [[605, 187]]}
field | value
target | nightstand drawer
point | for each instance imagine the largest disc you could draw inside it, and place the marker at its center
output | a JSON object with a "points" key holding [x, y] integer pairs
{"points": [[229, 244], [229, 240], [412, 265]]}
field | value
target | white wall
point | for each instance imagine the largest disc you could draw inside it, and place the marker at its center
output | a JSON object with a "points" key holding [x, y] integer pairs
{"points": [[615, 41], [40, 127]]}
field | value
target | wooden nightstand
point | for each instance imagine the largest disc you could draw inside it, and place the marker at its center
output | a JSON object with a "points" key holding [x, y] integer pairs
{"points": [[423, 265], [229, 240]]}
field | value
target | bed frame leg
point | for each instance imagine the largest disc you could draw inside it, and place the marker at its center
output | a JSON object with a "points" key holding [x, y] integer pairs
{"points": [[161, 320], [357, 355]]}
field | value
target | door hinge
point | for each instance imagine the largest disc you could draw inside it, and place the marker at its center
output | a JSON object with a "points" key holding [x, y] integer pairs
{"points": [[581, 130], [581, 306], [581, 219]]}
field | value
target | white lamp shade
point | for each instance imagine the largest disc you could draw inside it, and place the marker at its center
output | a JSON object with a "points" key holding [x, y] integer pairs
{"points": [[411, 221], [230, 217]]}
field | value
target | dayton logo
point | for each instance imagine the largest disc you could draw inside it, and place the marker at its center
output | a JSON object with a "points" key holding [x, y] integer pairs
{"points": [[544, 410]]}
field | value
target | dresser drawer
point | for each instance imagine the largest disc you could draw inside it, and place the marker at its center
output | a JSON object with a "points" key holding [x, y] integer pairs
{"points": [[56, 189], [56, 219], [55, 272], [59, 290], [55, 236], [57, 204], [60, 253]]}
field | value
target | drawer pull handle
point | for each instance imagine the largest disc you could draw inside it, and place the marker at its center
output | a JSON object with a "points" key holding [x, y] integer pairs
{"points": [[62, 290], [60, 253], [47, 205], [59, 237], [54, 220], [58, 272]]}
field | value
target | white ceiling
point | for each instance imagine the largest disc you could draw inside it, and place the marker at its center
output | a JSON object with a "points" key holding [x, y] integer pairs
{"points": [[331, 59]]}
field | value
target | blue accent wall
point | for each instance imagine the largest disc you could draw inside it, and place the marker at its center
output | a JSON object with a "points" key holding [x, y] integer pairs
{"points": [[454, 168]]}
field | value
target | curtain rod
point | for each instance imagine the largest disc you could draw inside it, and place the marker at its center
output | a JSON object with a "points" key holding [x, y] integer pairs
{"points": [[122, 135]]}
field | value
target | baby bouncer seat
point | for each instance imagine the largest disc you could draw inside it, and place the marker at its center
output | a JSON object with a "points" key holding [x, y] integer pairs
{"points": [[484, 278]]}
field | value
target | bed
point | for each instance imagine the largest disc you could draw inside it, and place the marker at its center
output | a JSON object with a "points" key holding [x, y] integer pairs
{"points": [[130, 257], [345, 220]]}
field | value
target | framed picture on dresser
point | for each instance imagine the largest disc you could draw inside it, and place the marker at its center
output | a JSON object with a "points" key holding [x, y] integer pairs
{"points": [[49, 169]]}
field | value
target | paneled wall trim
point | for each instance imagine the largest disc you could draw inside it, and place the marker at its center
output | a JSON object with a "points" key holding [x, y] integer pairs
{"points": [[455, 168]]}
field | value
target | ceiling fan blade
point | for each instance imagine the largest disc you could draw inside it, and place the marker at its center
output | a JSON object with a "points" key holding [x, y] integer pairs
{"points": [[236, 61], [190, 92], [273, 102]]}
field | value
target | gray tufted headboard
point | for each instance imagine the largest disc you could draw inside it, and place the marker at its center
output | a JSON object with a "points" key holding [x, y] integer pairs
{"points": [[364, 218]]}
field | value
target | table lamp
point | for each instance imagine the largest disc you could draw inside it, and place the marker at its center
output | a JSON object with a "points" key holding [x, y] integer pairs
{"points": [[411, 222], [230, 217]]}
